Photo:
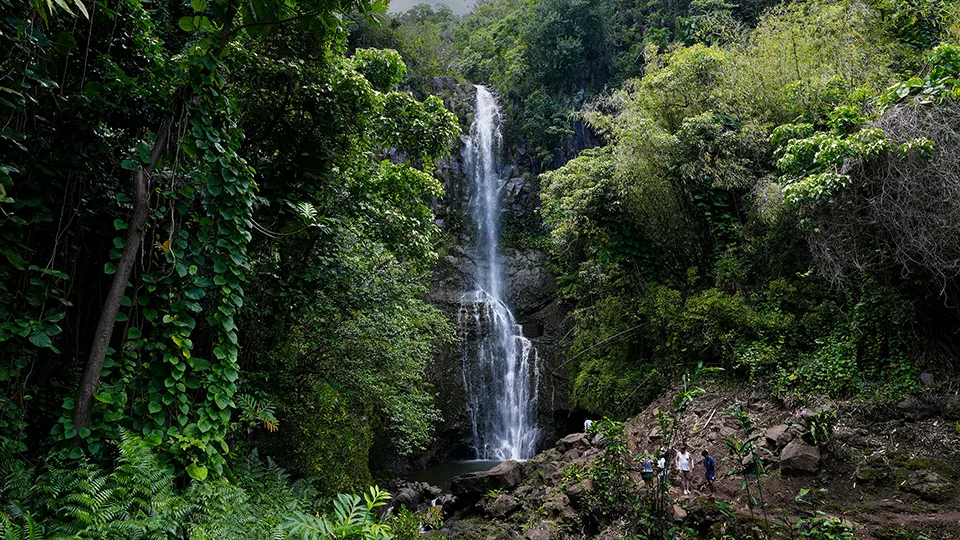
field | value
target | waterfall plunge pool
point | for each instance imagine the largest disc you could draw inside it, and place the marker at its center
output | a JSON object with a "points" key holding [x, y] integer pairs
{"points": [[442, 474]]}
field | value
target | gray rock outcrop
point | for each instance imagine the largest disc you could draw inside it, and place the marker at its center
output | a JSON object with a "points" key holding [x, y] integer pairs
{"points": [[915, 408], [951, 408], [501, 506], [799, 458], [929, 485]]}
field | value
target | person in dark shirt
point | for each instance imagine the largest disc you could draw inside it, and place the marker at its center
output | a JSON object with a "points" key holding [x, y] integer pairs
{"points": [[646, 468], [710, 466]]}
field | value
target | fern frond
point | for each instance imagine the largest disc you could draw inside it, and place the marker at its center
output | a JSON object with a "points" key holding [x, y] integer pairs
{"points": [[307, 527]]}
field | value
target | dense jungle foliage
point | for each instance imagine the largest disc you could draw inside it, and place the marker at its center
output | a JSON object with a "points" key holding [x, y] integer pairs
{"points": [[216, 230], [207, 253], [770, 187]]}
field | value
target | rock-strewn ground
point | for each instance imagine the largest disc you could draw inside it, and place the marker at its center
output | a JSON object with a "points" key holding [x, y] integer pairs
{"points": [[892, 476]]}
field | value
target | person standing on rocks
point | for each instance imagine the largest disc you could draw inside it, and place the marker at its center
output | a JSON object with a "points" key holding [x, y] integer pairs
{"points": [[685, 465], [646, 468], [662, 465], [586, 425], [710, 470]]}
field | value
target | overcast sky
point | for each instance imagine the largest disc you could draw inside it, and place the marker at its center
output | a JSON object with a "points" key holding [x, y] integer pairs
{"points": [[458, 6]]}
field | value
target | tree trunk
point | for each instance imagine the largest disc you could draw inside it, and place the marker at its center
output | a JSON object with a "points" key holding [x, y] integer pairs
{"points": [[83, 411]]}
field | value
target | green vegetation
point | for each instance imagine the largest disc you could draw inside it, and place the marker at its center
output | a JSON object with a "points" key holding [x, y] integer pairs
{"points": [[732, 211], [208, 254], [760, 211], [216, 234], [138, 499]]}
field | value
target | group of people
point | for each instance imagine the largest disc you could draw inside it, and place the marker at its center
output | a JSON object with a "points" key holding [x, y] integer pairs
{"points": [[683, 462]]}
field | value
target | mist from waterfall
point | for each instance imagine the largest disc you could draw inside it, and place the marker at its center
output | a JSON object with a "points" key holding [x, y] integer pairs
{"points": [[500, 372]]}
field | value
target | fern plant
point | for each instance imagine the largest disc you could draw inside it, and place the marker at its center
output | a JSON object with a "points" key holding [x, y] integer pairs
{"points": [[135, 500], [253, 508], [257, 412], [28, 531], [17, 490], [352, 517]]}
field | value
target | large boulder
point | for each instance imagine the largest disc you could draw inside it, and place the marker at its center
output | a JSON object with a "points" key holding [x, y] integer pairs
{"points": [[506, 475], [543, 472], [501, 506], [799, 458], [573, 441], [559, 507], [576, 492], [951, 408], [415, 496], [774, 434], [929, 485], [408, 498], [540, 532], [915, 408]]}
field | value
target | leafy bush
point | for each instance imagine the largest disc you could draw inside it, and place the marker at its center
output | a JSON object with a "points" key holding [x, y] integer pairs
{"points": [[821, 427], [405, 525], [815, 524], [613, 493]]}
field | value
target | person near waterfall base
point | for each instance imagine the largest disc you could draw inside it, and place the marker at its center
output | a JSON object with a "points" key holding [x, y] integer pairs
{"points": [[646, 467], [662, 465], [710, 470], [685, 465]]}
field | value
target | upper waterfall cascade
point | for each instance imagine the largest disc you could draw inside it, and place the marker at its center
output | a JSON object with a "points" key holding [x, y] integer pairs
{"points": [[500, 366]]}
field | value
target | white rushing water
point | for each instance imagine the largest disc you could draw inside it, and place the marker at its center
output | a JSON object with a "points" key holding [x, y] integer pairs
{"points": [[500, 374]]}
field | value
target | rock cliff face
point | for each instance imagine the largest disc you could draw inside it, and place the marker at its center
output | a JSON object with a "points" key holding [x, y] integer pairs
{"points": [[530, 286]]}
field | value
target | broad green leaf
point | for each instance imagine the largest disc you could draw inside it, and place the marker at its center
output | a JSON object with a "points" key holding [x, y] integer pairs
{"points": [[186, 24], [41, 340], [197, 472]]}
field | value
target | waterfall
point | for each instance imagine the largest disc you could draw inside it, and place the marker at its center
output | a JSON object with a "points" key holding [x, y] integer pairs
{"points": [[500, 372]]}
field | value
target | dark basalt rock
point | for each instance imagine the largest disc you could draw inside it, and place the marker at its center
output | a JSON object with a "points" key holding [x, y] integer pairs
{"points": [[573, 441], [951, 408], [506, 475], [502, 506], [773, 435], [415, 496], [915, 408]]}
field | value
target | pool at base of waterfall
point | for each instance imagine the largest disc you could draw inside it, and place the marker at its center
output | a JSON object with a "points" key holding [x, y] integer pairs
{"points": [[442, 474]]}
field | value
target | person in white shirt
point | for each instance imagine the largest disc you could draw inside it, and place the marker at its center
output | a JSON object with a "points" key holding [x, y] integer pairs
{"points": [[586, 425], [662, 463], [685, 465]]}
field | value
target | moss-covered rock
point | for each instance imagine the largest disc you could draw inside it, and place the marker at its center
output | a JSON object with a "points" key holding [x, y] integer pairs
{"points": [[929, 485]]}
